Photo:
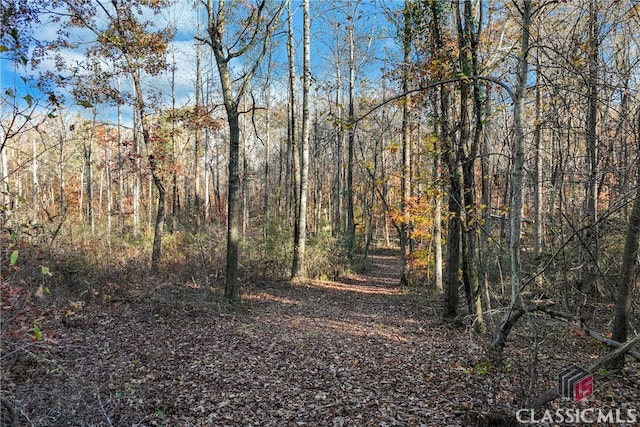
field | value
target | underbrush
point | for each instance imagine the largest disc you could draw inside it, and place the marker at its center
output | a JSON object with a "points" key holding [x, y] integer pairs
{"points": [[48, 280], [78, 265], [270, 257]]}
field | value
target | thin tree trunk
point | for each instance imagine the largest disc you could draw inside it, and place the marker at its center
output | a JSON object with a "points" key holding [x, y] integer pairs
{"points": [[245, 170], [35, 185], [6, 195], [137, 184], [437, 228], [207, 194], [293, 129], [338, 192], [298, 269], [537, 171], [120, 176], [88, 159], [405, 228], [267, 151], [174, 173], [591, 237], [109, 190], [622, 316], [61, 181], [158, 228], [351, 224], [498, 342], [216, 30], [197, 133]]}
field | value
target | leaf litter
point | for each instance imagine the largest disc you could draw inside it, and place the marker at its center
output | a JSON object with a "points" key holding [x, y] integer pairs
{"points": [[358, 352]]}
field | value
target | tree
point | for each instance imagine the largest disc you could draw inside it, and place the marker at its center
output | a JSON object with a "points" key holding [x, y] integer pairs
{"points": [[134, 46], [515, 310], [469, 140], [405, 228], [253, 37], [351, 132], [301, 214], [622, 316]]}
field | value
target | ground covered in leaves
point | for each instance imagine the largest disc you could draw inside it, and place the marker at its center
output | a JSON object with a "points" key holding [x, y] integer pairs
{"points": [[355, 352]]}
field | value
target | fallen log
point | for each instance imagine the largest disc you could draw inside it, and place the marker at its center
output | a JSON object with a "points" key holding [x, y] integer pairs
{"points": [[592, 333]]}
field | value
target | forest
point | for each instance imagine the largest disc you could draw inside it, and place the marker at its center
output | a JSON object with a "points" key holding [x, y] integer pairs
{"points": [[325, 213]]}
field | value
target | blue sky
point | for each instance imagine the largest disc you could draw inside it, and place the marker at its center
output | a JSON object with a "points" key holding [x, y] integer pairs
{"points": [[370, 24]]}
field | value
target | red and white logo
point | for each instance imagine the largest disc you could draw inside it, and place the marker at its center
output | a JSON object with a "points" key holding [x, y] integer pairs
{"points": [[575, 383]]}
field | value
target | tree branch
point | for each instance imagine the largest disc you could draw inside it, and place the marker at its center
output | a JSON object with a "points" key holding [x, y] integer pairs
{"points": [[433, 85]]}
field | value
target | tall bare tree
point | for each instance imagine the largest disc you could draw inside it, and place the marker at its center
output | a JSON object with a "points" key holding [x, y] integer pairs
{"points": [[250, 42], [516, 307], [405, 228], [301, 216]]}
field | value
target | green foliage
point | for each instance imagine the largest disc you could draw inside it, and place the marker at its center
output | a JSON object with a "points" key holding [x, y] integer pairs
{"points": [[324, 258], [37, 332], [270, 258], [14, 258], [606, 373], [483, 368]]}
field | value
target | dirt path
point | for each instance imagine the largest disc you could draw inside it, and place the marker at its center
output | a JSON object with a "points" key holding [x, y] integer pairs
{"points": [[355, 352]]}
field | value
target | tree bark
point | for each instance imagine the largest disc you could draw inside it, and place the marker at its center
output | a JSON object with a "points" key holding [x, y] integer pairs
{"points": [[405, 228], [216, 29], [452, 265], [591, 238], [351, 224], [293, 126], [498, 342], [622, 316], [298, 269]]}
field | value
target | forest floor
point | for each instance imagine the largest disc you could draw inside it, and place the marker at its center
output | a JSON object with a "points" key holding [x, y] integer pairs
{"points": [[360, 351]]}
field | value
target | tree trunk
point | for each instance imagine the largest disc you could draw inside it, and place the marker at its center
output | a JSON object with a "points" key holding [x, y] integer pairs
{"points": [[137, 184], [338, 227], [88, 165], [469, 33], [498, 342], [196, 136], [627, 275], [405, 227], [158, 227], [300, 243], [452, 265], [35, 184], [437, 228], [231, 289], [351, 224], [216, 30], [591, 235], [245, 170], [120, 175]]}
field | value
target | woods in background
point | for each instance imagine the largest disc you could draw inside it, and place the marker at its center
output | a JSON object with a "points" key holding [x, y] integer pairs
{"points": [[495, 143]]}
